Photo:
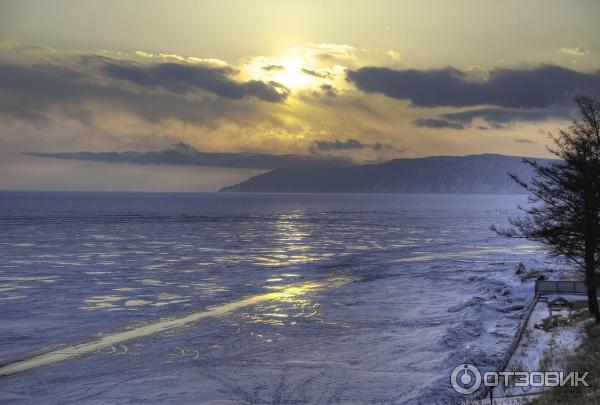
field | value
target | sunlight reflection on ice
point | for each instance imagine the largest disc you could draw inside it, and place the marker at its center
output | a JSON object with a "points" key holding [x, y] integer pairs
{"points": [[287, 294]]}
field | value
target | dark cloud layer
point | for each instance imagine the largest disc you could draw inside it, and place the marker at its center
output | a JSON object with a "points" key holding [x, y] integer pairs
{"points": [[325, 145], [28, 91], [180, 78], [438, 123], [521, 140], [540, 87], [495, 117], [183, 154]]}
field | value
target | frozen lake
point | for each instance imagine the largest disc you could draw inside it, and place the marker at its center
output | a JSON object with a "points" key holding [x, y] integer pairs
{"points": [[365, 298]]}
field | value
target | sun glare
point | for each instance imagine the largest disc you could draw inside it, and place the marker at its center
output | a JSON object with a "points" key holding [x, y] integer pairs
{"points": [[291, 75], [292, 68]]}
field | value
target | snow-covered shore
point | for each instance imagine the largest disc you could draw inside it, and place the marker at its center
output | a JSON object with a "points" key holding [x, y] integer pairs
{"points": [[542, 347]]}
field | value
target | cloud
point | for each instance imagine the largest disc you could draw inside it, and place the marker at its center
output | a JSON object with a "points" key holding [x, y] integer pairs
{"points": [[328, 90], [331, 52], [520, 140], [539, 87], [336, 145], [312, 72], [40, 86], [26, 90], [36, 92], [438, 123], [270, 68], [496, 117], [183, 154], [321, 145], [182, 78], [393, 55], [116, 102], [171, 57], [499, 117], [576, 51], [378, 146]]}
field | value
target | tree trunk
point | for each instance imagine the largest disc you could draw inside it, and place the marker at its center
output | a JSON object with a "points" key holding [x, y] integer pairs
{"points": [[590, 263], [590, 281], [589, 236]]}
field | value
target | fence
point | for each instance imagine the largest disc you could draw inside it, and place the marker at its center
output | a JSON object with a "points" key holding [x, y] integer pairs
{"points": [[513, 344], [560, 287]]}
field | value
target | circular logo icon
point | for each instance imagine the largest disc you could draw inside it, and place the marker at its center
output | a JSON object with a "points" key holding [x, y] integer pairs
{"points": [[465, 379]]}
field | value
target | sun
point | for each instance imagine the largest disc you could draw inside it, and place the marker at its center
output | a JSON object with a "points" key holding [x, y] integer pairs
{"points": [[292, 74], [295, 68]]}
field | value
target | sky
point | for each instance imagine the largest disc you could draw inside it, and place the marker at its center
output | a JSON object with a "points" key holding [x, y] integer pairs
{"points": [[197, 95]]}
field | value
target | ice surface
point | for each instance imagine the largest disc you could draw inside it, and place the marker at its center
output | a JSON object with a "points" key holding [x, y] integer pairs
{"points": [[432, 287]]}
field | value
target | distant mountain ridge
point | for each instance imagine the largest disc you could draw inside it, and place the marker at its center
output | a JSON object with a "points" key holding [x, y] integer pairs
{"points": [[472, 174]]}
